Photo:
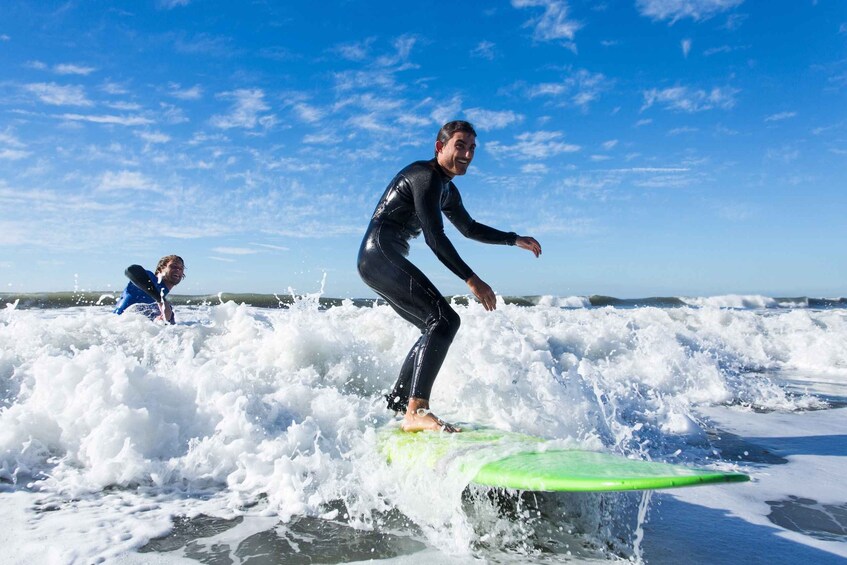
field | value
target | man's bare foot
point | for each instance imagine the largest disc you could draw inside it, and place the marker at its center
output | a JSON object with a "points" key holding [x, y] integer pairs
{"points": [[418, 418], [426, 421]]}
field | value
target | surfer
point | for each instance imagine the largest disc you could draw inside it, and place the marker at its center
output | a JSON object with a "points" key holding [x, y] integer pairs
{"points": [[146, 288], [413, 203]]}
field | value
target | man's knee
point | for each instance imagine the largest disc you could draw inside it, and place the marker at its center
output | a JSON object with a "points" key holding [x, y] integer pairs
{"points": [[448, 323]]}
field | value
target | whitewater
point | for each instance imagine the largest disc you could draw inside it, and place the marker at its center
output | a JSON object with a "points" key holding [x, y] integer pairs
{"points": [[248, 434]]}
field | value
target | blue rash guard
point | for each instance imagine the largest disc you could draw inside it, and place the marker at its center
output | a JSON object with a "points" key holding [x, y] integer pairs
{"points": [[133, 295]]}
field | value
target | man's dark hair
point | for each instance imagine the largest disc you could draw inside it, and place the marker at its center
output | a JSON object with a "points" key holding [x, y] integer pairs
{"points": [[448, 129]]}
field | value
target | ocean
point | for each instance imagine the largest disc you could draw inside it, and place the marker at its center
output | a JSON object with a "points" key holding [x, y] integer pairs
{"points": [[247, 432]]}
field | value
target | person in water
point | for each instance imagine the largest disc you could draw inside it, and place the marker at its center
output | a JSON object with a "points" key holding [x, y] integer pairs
{"points": [[413, 203], [146, 289]]}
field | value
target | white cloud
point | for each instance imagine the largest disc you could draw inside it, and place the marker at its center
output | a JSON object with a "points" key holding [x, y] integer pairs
{"points": [[690, 100], [126, 180], [107, 119], [193, 93], [68, 69], [485, 120], [682, 130], [4, 37], [553, 23], [322, 139], [171, 4], [11, 140], [484, 50], [308, 113], [780, 116], [248, 104], [675, 10], [403, 48], [130, 106], [358, 51], [579, 88], [607, 145], [110, 87], [234, 251], [369, 122], [269, 246], [533, 145], [534, 169], [13, 154], [447, 111], [686, 47], [58, 95], [154, 137]]}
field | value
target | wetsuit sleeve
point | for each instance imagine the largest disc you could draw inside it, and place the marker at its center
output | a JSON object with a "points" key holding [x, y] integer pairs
{"points": [[427, 198], [470, 228], [140, 277]]}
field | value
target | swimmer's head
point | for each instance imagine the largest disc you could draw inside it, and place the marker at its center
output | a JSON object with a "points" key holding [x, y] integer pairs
{"points": [[173, 267]]}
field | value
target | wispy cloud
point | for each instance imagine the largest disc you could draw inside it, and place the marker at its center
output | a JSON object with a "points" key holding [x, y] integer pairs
{"points": [[235, 250], [357, 51], [533, 145], [403, 46], [686, 47], [246, 112], [308, 113], [553, 23], [106, 119], [484, 50], [193, 93], [59, 95], [534, 169], [154, 137], [171, 4], [69, 69], [690, 100], [269, 246], [13, 154], [579, 88], [486, 120], [778, 117], [675, 10], [126, 180]]}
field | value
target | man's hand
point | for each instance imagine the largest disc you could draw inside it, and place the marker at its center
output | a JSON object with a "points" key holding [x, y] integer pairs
{"points": [[529, 243], [167, 313], [482, 292]]}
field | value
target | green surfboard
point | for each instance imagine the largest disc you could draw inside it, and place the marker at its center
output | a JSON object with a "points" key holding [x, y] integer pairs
{"points": [[509, 460]]}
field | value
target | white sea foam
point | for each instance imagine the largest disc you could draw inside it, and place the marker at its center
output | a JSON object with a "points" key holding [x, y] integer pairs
{"points": [[733, 301], [244, 411]]}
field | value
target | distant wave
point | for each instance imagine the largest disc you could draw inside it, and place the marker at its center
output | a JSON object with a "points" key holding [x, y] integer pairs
{"points": [[71, 299]]}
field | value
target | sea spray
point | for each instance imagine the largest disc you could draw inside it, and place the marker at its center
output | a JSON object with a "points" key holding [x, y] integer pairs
{"points": [[240, 411]]}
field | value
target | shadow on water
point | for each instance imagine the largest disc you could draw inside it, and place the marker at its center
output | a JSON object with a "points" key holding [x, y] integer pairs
{"points": [[710, 536], [826, 522], [303, 540]]}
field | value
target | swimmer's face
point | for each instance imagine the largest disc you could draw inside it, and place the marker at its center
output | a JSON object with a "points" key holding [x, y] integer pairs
{"points": [[456, 155], [173, 273]]}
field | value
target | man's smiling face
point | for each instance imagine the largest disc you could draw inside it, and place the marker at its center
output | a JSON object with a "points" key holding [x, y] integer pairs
{"points": [[456, 155]]}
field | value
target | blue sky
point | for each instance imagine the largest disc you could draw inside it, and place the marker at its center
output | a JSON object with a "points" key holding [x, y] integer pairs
{"points": [[653, 147]]}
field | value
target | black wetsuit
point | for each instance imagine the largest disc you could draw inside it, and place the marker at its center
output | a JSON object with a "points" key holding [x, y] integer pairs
{"points": [[413, 203]]}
